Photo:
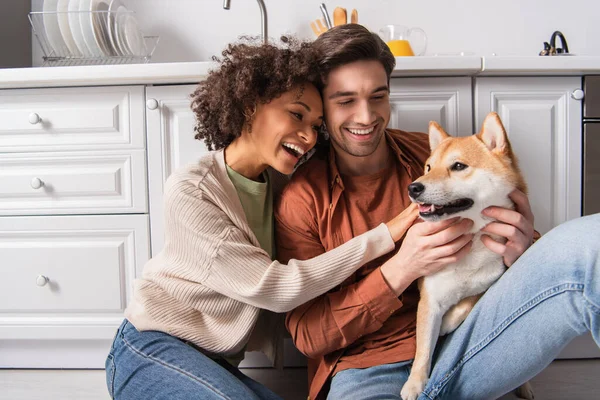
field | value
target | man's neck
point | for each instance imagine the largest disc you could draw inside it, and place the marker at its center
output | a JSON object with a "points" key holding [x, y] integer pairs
{"points": [[348, 164]]}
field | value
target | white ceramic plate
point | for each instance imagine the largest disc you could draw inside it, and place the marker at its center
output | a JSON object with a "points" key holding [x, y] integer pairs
{"points": [[112, 31], [100, 25], [52, 28], [122, 13], [87, 28], [62, 9], [76, 28], [133, 36]]}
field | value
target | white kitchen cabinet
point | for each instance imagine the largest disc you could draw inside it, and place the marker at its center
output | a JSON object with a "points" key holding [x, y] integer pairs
{"points": [[66, 281], [171, 144], [543, 123], [416, 101], [69, 154], [74, 229]]}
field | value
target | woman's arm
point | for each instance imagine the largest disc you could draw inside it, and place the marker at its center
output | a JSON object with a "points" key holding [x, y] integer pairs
{"points": [[337, 319], [203, 245]]}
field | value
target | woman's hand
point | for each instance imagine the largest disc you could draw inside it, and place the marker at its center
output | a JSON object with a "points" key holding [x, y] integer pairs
{"points": [[403, 221], [514, 225]]}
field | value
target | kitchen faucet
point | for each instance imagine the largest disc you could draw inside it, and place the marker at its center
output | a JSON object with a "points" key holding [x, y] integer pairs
{"points": [[263, 17]]}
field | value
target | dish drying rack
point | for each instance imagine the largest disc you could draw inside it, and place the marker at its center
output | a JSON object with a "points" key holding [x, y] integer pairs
{"points": [[97, 38]]}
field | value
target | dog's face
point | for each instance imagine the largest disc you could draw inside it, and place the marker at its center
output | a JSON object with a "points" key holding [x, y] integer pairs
{"points": [[467, 174]]}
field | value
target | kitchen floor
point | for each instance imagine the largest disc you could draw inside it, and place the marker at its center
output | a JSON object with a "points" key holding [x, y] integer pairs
{"points": [[572, 379]]}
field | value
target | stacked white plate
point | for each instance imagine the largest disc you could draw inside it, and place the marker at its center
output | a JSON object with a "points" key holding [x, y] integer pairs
{"points": [[92, 28]]}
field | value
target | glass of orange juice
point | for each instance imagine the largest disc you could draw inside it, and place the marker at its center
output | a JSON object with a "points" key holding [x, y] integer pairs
{"points": [[404, 41]]}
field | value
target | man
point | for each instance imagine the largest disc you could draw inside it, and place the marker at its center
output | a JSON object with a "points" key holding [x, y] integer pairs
{"points": [[360, 337]]}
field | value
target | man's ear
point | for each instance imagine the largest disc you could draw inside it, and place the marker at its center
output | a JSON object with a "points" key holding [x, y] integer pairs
{"points": [[436, 135], [493, 134]]}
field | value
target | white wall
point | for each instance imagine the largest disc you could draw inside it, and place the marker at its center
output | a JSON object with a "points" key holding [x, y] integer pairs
{"points": [[194, 30]]}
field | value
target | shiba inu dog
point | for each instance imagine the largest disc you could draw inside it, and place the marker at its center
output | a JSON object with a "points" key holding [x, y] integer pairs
{"points": [[462, 177]]}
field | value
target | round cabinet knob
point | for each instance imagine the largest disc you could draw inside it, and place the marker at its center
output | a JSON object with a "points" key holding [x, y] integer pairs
{"points": [[34, 118], [36, 183], [41, 280], [152, 104], [577, 94]]}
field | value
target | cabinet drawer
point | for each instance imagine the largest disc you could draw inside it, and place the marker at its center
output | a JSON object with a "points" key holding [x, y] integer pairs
{"points": [[72, 119], [70, 264], [73, 183]]}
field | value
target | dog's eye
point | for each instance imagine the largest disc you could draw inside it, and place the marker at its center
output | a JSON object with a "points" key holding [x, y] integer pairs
{"points": [[427, 168], [458, 166]]}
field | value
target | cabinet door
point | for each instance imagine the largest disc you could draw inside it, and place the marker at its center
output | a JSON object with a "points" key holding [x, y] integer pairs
{"points": [[171, 144], [416, 101], [543, 123]]}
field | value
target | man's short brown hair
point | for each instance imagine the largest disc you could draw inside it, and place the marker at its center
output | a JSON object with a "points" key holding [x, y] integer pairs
{"points": [[348, 43]]}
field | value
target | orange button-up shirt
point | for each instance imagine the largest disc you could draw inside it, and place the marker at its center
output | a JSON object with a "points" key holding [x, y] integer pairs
{"points": [[362, 322]]}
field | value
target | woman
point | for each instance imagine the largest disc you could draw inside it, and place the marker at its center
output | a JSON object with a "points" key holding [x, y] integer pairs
{"points": [[213, 292]]}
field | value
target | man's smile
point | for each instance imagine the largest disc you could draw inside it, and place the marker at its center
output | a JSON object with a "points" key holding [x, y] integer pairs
{"points": [[361, 133]]}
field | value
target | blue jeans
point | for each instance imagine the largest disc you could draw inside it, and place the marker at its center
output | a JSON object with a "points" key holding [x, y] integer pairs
{"points": [[154, 365], [547, 298]]}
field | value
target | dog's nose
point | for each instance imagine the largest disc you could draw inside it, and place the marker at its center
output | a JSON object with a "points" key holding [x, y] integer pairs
{"points": [[416, 189]]}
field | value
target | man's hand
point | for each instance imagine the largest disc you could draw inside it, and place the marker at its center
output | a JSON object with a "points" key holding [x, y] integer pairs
{"points": [[514, 225], [426, 249]]}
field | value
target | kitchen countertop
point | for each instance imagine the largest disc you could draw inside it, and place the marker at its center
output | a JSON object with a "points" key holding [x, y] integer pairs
{"points": [[193, 72], [536, 65]]}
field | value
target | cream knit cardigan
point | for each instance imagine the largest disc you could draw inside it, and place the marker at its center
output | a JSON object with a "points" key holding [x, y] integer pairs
{"points": [[212, 282]]}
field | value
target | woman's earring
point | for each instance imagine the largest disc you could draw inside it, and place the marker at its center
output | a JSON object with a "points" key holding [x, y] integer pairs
{"points": [[324, 131], [249, 118]]}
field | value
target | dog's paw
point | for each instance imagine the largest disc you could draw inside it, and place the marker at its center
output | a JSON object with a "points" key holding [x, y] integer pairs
{"points": [[525, 391], [413, 388]]}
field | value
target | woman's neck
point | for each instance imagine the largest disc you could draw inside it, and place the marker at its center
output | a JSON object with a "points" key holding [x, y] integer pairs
{"points": [[242, 157]]}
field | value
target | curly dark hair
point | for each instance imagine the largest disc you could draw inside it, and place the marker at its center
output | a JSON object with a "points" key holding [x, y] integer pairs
{"points": [[248, 74]]}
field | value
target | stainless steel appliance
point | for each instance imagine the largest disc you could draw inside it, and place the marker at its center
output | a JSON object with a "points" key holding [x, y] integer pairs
{"points": [[591, 145], [16, 51], [584, 346]]}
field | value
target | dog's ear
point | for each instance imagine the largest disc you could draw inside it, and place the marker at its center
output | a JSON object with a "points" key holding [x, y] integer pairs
{"points": [[436, 135], [493, 134]]}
